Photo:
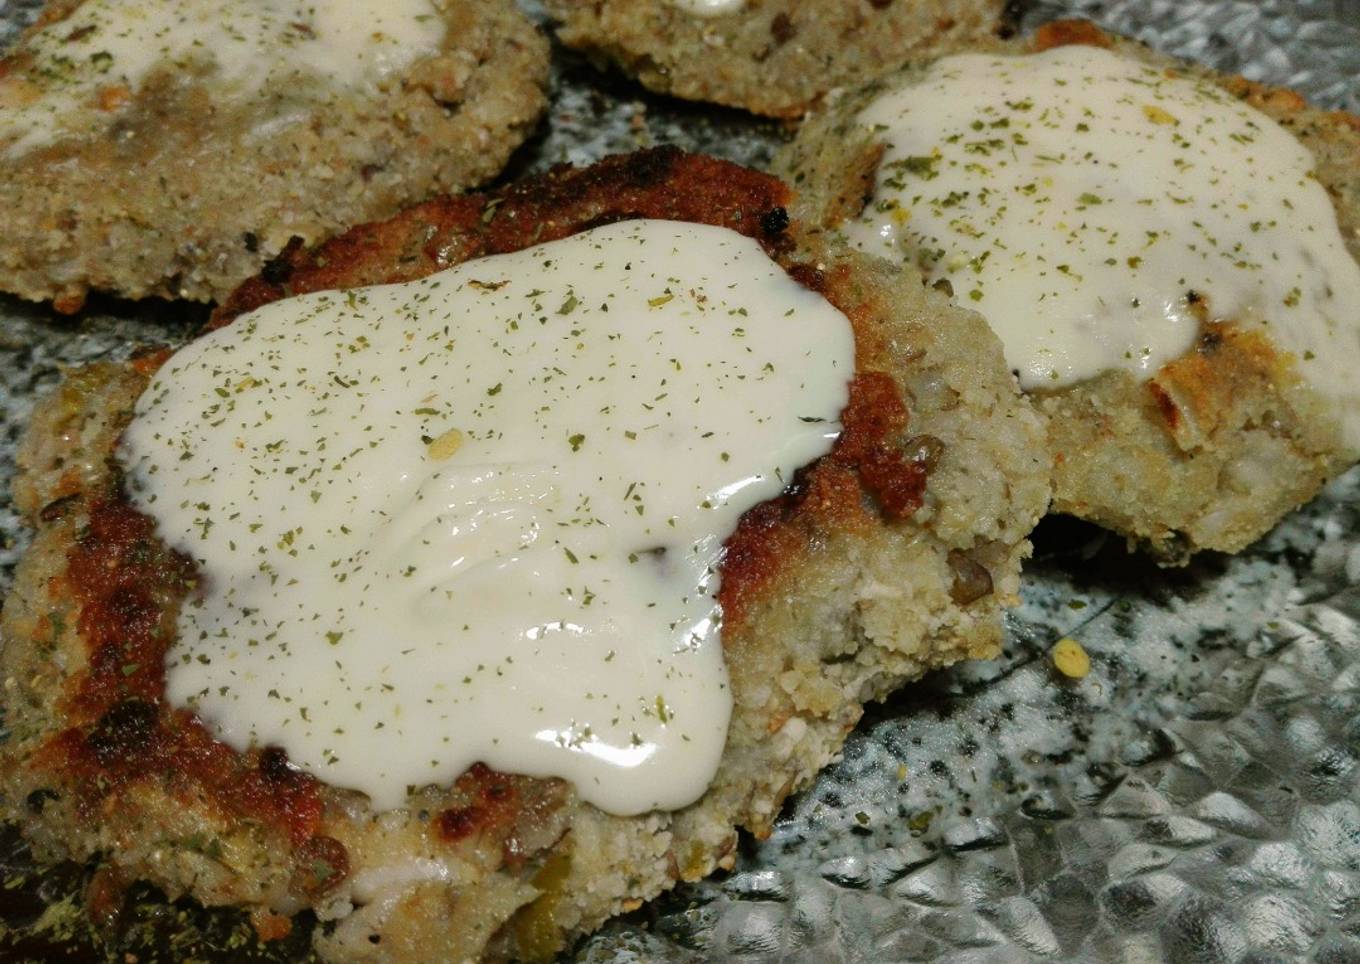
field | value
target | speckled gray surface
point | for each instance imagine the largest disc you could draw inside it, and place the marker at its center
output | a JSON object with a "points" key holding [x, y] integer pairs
{"points": [[1312, 46], [1195, 798]]}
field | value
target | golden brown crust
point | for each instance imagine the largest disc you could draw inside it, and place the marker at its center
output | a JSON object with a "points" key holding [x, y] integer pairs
{"points": [[867, 461], [1229, 439], [1065, 33], [1207, 453], [1213, 449], [875, 535], [772, 57], [184, 195], [661, 183], [121, 730], [128, 585]]}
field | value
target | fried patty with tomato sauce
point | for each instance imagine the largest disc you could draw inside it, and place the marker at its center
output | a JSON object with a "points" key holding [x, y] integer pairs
{"points": [[892, 555], [1218, 444]]}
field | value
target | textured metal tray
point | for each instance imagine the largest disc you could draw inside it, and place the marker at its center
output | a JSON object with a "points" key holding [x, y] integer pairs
{"points": [[1195, 798]]}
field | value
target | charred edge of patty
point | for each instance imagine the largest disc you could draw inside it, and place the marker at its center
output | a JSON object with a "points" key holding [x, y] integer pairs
{"points": [[120, 730], [129, 583], [664, 182], [874, 473]]}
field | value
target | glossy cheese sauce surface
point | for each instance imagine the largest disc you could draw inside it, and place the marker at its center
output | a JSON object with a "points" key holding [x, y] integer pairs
{"points": [[1082, 202], [479, 516], [710, 8], [82, 67]]}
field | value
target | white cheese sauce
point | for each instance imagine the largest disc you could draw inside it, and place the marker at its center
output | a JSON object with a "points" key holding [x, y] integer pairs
{"points": [[709, 8], [479, 516], [1076, 198], [245, 49]]}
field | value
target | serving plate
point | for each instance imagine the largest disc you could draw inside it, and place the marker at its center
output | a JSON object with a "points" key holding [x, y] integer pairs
{"points": [[1196, 797]]}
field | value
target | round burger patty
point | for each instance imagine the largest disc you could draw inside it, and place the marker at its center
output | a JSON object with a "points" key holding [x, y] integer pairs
{"points": [[890, 556], [187, 192], [772, 57], [1217, 445]]}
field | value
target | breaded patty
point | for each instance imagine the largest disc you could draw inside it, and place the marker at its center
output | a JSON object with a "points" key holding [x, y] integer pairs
{"points": [[1217, 444], [180, 177], [772, 57], [890, 556]]}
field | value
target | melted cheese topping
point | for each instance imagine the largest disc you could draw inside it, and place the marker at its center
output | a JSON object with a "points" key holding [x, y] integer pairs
{"points": [[479, 516], [1078, 198], [79, 70]]}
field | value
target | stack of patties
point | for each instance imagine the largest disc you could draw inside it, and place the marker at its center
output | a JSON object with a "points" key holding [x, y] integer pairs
{"points": [[478, 573], [1167, 254], [481, 571]]}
